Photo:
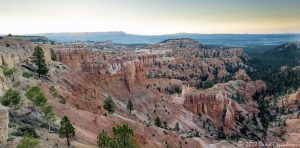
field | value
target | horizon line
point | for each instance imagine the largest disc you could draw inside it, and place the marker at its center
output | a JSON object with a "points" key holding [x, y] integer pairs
{"points": [[178, 33]]}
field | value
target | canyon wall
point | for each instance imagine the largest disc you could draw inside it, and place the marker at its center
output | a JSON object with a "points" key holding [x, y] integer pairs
{"points": [[212, 104], [221, 102], [128, 67]]}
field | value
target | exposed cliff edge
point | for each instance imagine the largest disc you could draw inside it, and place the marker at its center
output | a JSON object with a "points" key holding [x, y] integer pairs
{"points": [[15, 51]]}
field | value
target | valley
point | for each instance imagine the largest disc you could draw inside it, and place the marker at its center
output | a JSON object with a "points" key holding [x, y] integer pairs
{"points": [[202, 95]]}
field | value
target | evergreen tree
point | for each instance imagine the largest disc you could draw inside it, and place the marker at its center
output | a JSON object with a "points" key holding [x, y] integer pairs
{"points": [[109, 105], [157, 122], [130, 106], [36, 95], [177, 128], [66, 130], [103, 140], [123, 137], [38, 58], [48, 115], [39, 100], [53, 55]]}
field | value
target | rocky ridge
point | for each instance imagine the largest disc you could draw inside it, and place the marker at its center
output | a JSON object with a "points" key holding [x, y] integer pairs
{"points": [[15, 51]]}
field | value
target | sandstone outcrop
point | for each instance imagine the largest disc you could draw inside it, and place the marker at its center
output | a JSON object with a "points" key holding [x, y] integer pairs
{"points": [[128, 67], [221, 102], [14, 51], [4, 83], [241, 75], [212, 104], [3, 124]]}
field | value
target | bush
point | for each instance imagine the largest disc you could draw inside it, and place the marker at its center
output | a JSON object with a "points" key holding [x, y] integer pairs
{"points": [[123, 137], [17, 84], [28, 141], [53, 91], [53, 55], [36, 95], [11, 98], [26, 74], [9, 71], [27, 129]]}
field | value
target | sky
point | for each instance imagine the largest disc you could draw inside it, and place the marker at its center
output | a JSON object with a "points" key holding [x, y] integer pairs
{"points": [[150, 17]]}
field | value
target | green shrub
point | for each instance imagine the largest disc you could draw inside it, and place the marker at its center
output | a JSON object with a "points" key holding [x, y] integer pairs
{"points": [[123, 136], [53, 91], [9, 71], [27, 74], [28, 141], [11, 98], [53, 55], [36, 95], [26, 129]]}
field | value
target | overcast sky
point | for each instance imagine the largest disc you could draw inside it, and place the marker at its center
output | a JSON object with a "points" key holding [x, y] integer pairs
{"points": [[150, 16]]}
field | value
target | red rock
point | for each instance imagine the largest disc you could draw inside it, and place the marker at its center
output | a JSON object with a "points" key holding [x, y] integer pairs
{"points": [[241, 75], [298, 95]]}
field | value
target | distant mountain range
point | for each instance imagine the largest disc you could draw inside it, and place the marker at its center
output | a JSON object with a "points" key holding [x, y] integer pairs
{"points": [[211, 39]]}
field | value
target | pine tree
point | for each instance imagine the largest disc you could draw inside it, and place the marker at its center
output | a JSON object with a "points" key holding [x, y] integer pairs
{"points": [[38, 58], [103, 140], [109, 105], [53, 55], [48, 115], [124, 136], [177, 128], [130, 106], [157, 122], [66, 130]]}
